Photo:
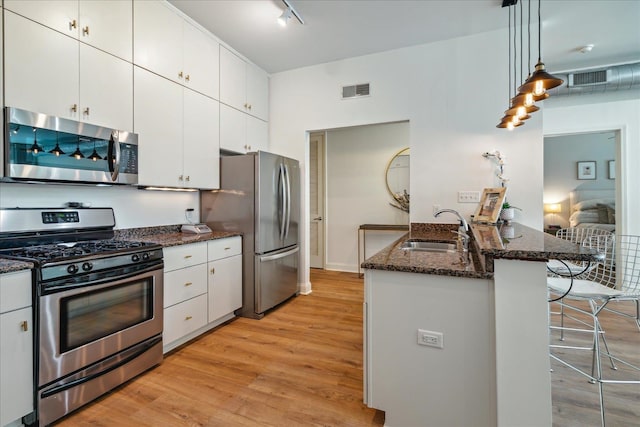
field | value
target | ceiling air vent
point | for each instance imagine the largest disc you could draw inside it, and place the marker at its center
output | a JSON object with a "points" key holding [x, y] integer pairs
{"points": [[589, 78], [355, 91]]}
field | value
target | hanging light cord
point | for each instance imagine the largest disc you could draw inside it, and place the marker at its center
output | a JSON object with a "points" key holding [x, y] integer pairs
{"points": [[539, 34], [529, 38], [515, 54], [521, 54], [509, 100]]}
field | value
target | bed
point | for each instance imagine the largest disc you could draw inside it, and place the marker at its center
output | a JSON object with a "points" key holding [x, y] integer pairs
{"points": [[593, 208]]}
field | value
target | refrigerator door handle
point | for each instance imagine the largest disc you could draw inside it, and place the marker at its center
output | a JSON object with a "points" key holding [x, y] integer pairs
{"points": [[288, 181], [282, 190], [279, 255]]}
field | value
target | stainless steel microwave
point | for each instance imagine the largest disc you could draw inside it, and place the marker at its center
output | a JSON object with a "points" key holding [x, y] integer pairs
{"points": [[39, 147]]}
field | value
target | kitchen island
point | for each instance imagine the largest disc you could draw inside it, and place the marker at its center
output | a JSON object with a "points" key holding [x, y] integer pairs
{"points": [[461, 339]]}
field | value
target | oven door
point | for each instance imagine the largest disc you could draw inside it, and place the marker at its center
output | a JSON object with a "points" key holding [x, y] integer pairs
{"points": [[89, 323]]}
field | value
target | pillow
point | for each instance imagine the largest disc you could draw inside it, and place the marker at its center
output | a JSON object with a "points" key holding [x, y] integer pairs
{"points": [[593, 204], [611, 213], [603, 214], [590, 215]]}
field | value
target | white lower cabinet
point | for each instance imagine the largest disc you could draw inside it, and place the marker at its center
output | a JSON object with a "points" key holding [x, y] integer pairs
{"points": [[16, 346], [225, 277], [202, 288]]}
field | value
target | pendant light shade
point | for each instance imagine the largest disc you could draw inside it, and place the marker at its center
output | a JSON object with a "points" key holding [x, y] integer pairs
{"points": [[540, 81], [94, 156], [35, 148], [56, 150], [77, 154]]}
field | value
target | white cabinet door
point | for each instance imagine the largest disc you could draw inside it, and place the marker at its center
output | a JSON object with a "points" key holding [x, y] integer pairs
{"points": [[41, 68], [225, 286], [108, 25], [257, 92], [257, 134], [16, 365], [158, 123], [201, 61], [184, 318], [60, 15], [201, 145], [232, 79], [106, 89], [157, 39], [232, 129]]}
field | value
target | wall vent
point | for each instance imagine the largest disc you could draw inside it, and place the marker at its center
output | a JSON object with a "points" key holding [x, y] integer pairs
{"points": [[590, 78], [355, 91]]}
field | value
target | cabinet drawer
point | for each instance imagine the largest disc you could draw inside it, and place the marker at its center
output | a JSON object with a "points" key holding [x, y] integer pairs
{"points": [[182, 256], [181, 285], [223, 248], [15, 290], [184, 318]]}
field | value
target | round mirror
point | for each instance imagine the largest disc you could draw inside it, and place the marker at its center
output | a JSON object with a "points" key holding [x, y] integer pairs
{"points": [[397, 175]]}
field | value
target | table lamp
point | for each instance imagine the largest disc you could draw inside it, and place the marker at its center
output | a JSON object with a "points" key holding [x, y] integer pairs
{"points": [[553, 208]]}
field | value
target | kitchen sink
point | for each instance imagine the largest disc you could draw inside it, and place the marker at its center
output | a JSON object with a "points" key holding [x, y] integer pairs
{"points": [[426, 246]]}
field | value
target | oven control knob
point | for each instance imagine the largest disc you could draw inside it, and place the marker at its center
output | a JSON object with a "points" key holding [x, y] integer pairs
{"points": [[87, 266], [72, 269], [135, 257], [145, 256]]}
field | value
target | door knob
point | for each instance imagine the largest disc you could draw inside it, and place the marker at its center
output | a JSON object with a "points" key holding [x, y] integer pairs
{"points": [[318, 218]]}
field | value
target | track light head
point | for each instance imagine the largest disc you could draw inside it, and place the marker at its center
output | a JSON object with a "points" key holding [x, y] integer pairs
{"points": [[283, 20]]}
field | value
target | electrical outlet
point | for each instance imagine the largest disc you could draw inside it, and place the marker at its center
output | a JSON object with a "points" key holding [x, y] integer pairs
{"points": [[468, 196], [430, 338]]}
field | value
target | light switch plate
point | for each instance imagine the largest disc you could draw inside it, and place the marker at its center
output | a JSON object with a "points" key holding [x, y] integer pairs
{"points": [[468, 196]]}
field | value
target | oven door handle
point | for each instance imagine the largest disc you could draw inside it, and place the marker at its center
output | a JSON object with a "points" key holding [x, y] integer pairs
{"points": [[117, 365]]}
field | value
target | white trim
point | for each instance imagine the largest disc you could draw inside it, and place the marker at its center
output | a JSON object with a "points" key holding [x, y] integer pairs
{"points": [[305, 288]]}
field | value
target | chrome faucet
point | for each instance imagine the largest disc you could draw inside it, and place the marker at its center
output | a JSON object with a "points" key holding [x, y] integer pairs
{"points": [[463, 236]]}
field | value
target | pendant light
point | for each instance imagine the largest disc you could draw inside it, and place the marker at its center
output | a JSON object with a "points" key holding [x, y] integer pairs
{"points": [[35, 148], [509, 121], [57, 150], [540, 81], [94, 156], [77, 154]]}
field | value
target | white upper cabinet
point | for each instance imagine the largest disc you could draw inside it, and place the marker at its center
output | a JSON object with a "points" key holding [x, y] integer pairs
{"points": [[105, 24], [243, 85], [48, 72], [178, 134], [166, 44], [41, 68], [240, 132]]}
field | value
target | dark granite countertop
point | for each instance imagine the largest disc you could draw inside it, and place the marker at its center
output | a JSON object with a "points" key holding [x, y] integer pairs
{"points": [[513, 241], [169, 235], [10, 265]]}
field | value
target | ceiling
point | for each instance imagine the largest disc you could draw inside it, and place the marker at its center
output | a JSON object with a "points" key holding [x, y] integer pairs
{"points": [[338, 29]]}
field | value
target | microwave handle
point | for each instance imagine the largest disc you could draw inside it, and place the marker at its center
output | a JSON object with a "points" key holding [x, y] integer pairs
{"points": [[114, 162]]}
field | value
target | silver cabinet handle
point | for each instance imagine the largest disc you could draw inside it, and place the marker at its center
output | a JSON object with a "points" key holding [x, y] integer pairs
{"points": [[318, 218]]}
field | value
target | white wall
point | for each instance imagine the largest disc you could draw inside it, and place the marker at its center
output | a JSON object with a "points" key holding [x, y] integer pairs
{"points": [[132, 207], [453, 103], [603, 112], [561, 154], [356, 192]]}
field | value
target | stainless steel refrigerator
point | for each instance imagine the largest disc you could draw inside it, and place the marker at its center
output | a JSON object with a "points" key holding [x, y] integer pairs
{"points": [[259, 196]]}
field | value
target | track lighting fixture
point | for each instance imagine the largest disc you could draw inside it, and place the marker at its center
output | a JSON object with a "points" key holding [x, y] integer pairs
{"points": [[283, 20]]}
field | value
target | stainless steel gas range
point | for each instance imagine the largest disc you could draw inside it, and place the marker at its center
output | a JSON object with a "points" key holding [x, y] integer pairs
{"points": [[97, 303]]}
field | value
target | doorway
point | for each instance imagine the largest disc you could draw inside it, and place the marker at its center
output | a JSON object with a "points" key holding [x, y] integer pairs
{"points": [[316, 199], [570, 193]]}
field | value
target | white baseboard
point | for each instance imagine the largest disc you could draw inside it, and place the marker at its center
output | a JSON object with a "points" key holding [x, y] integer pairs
{"points": [[305, 288], [348, 268]]}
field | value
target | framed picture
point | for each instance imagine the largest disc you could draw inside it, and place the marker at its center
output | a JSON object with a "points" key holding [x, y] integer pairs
{"points": [[490, 205], [586, 170], [612, 169]]}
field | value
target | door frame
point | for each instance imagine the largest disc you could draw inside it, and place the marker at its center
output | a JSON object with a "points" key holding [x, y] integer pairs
{"points": [[319, 261]]}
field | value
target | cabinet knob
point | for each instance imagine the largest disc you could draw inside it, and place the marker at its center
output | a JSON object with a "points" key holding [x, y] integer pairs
{"points": [[226, 249], [85, 31], [74, 108], [187, 77], [24, 325], [213, 271], [73, 24], [180, 178], [249, 106], [188, 318], [187, 178], [187, 256], [188, 284], [180, 74], [86, 111]]}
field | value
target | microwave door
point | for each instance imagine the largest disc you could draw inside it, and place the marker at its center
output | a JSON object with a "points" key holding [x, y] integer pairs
{"points": [[113, 158]]}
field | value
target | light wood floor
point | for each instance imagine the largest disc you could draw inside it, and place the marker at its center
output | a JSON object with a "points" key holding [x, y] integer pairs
{"points": [[302, 366]]}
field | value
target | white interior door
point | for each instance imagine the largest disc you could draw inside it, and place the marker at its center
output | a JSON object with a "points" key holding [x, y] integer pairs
{"points": [[316, 196]]}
